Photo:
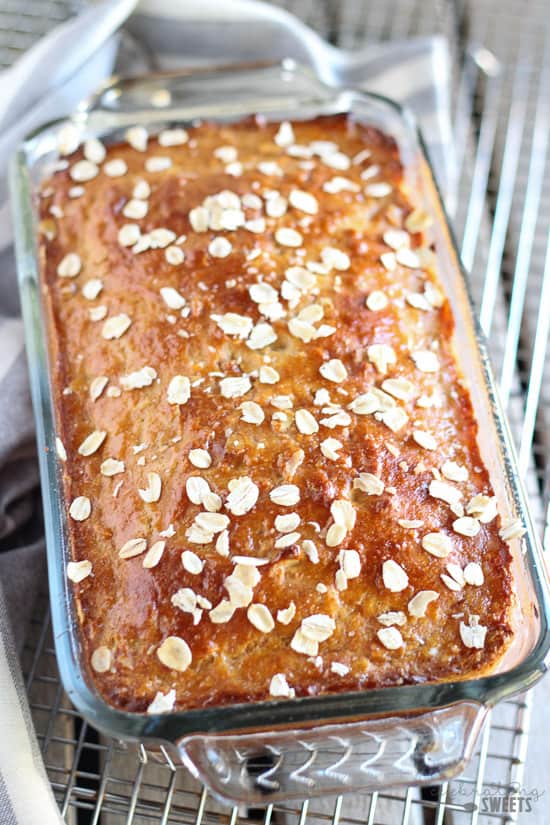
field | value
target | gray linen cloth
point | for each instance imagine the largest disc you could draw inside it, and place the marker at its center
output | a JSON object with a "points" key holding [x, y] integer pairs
{"points": [[48, 82]]}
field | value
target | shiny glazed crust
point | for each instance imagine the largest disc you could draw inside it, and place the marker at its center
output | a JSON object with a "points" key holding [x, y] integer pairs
{"points": [[269, 455]]}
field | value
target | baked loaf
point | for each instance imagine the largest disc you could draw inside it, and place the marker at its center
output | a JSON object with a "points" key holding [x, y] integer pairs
{"points": [[269, 456]]}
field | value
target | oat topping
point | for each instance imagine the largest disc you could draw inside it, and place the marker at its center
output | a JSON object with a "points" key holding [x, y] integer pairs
{"points": [[191, 562], [197, 489], [310, 550], [172, 298], [425, 360], [129, 234], [116, 326], [80, 508], [410, 524], [406, 257], [445, 492], [390, 637], [473, 574], [392, 617], [511, 529], [101, 659], [133, 547], [262, 335], [227, 154], [173, 137], [454, 472], [235, 387], [286, 495], [473, 634], [112, 467], [175, 654], [98, 313], [454, 580], [187, 601], [287, 523], [394, 576], [92, 288], [137, 137], [365, 404], [466, 526], [336, 160], [334, 370], [382, 356], [68, 139], [141, 190], [279, 686], [395, 418], [378, 190], [388, 261], [259, 616], [151, 493], [339, 184], [200, 458], [483, 508], [92, 442], [285, 236], [376, 301], [338, 419], [286, 615], [212, 522], [157, 163], [222, 543], [60, 449], [369, 483], [220, 248], [419, 603], [396, 238], [437, 544], [83, 170], [418, 221], [222, 613], [252, 413], [330, 448], [135, 209], [138, 379], [154, 554], [179, 390], [163, 702], [288, 540], [306, 423], [303, 201], [400, 388], [115, 168], [424, 439], [69, 266], [77, 571], [243, 495], [285, 135], [313, 630], [350, 563]]}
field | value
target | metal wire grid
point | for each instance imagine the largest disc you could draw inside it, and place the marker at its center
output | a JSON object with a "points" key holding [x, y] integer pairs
{"points": [[131, 785], [502, 129], [23, 22]]}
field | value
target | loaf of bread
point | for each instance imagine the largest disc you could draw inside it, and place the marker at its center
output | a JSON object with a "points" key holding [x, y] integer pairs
{"points": [[269, 454]]}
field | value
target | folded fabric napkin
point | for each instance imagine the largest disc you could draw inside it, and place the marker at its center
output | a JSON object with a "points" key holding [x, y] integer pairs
{"points": [[48, 82]]}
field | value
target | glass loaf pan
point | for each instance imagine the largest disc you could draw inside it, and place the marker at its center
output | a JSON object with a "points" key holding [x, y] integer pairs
{"points": [[265, 752]]}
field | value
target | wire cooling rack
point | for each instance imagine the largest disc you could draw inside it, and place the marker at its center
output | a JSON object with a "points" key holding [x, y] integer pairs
{"points": [[22, 22], [501, 214]]}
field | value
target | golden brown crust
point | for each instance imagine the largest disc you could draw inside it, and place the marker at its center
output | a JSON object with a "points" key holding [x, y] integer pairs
{"points": [[126, 609]]}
